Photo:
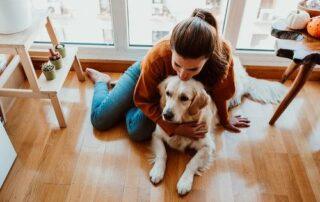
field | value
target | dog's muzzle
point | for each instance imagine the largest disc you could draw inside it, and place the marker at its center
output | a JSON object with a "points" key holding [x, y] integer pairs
{"points": [[168, 115]]}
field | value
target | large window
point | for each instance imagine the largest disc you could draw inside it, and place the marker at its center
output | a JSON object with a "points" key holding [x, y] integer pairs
{"points": [[256, 22], [149, 20], [125, 29], [79, 21]]}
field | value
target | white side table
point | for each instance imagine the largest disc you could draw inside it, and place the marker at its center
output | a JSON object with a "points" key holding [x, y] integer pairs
{"points": [[18, 45]]}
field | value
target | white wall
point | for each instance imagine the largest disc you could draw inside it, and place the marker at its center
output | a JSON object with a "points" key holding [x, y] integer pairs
{"points": [[7, 154]]}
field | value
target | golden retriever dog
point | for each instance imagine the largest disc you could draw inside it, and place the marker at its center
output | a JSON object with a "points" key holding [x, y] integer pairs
{"points": [[187, 101], [184, 101]]}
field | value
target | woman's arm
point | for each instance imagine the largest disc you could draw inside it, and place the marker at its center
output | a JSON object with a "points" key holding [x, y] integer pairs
{"points": [[146, 94], [222, 110], [231, 124], [221, 94]]}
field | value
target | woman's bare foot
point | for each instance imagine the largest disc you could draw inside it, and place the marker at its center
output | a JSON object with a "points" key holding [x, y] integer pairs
{"points": [[96, 76]]}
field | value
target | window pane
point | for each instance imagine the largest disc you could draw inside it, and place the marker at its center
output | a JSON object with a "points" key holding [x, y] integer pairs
{"points": [[78, 21], [257, 19], [149, 20]]}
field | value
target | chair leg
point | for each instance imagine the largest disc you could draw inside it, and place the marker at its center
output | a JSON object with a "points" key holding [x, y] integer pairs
{"points": [[300, 80], [290, 69], [58, 109]]}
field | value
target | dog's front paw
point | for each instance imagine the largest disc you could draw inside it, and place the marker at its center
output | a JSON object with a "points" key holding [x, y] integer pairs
{"points": [[156, 174], [184, 185]]}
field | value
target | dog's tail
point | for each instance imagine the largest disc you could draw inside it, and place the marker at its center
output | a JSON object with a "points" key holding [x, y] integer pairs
{"points": [[259, 90], [265, 91]]}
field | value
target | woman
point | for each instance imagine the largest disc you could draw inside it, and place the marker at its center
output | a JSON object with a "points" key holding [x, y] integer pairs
{"points": [[194, 50]]}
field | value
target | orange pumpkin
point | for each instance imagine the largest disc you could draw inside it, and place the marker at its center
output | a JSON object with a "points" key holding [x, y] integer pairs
{"points": [[313, 27]]}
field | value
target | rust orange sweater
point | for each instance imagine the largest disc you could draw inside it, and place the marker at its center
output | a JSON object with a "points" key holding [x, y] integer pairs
{"points": [[155, 67]]}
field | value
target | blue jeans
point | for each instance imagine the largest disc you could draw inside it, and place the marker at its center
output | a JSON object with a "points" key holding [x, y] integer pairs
{"points": [[109, 107]]}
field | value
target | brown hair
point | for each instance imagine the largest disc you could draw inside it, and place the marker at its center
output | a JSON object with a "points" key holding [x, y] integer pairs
{"points": [[198, 36]]}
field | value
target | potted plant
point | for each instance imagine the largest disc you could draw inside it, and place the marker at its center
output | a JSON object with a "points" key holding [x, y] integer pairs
{"points": [[55, 59], [48, 70], [61, 49]]}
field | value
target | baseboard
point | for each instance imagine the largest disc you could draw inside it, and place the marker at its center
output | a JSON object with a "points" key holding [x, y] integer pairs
{"points": [[265, 72]]}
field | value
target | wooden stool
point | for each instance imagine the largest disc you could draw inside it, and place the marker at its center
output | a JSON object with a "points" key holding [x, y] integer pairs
{"points": [[305, 53], [18, 45]]}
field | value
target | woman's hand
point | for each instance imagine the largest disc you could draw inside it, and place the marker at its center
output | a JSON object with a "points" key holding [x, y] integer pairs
{"points": [[235, 123], [192, 130]]}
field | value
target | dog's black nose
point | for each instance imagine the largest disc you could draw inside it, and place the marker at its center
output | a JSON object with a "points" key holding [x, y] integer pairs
{"points": [[168, 115]]}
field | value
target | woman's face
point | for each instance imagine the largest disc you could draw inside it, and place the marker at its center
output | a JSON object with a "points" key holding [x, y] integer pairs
{"points": [[187, 68]]}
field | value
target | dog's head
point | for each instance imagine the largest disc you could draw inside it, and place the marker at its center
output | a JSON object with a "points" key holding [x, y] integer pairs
{"points": [[180, 99]]}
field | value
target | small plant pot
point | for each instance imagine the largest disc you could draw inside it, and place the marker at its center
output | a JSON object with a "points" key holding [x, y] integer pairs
{"points": [[48, 71], [57, 63], [61, 49], [50, 75]]}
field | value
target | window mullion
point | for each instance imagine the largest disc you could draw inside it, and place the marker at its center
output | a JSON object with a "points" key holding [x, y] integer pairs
{"points": [[120, 28], [233, 21]]}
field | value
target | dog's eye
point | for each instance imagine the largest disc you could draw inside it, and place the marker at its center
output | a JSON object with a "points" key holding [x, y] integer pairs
{"points": [[168, 94], [184, 98]]}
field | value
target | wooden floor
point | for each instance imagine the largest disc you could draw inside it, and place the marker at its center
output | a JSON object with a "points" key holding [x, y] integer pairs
{"points": [[263, 163]]}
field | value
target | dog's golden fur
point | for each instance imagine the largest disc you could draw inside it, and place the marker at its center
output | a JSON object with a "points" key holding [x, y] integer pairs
{"points": [[197, 107]]}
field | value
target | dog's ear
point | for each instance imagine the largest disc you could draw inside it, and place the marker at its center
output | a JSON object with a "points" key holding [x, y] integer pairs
{"points": [[162, 87], [162, 91], [200, 100]]}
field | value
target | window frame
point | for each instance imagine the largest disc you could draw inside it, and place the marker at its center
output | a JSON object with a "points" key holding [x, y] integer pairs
{"points": [[121, 49]]}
